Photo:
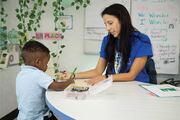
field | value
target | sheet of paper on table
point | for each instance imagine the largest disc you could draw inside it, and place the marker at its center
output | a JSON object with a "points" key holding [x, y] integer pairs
{"points": [[164, 90]]}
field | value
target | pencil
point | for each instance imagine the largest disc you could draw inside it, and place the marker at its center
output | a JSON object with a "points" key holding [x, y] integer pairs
{"points": [[72, 74]]}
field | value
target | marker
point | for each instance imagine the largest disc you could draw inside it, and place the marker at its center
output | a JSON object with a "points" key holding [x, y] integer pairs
{"points": [[72, 74]]}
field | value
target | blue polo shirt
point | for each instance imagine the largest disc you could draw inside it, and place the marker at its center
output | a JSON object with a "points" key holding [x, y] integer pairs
{"points": [[31, 85], [141, 47]]}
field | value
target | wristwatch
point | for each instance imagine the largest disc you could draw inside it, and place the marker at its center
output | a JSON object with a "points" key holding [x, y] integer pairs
{"points": [[106, 76], [110, 77]]}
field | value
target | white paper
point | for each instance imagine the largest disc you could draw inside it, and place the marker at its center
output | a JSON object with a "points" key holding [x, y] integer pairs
{"points": [[164, 90], [101, 86]]}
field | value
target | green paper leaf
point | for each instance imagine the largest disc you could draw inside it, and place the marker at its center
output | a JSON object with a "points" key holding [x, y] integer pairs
{"points": [[53, 54], [62, 46], [32, 16], [54, 42], [17, 10], [20, 25], [62, 8], [77, 7], [55, 64], [73, 3], [63, 30], [18, 17], [84, 5], [56, 71], [45, 3]]}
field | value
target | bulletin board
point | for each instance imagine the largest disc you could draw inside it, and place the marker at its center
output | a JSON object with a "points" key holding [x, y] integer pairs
{"points": [[159, 19]]}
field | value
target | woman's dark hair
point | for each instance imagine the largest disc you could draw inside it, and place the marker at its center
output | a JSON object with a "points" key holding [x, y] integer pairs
{"points": [[121, 13]]}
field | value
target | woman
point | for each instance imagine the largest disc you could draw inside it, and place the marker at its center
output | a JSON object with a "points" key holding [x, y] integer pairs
{"points": [[124, 51]]}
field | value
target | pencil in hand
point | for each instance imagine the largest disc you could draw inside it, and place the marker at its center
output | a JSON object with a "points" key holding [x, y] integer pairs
{"points": [[72, 76]]}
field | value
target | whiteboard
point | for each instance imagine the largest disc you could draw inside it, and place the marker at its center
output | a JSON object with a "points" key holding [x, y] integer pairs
{"points": [[160, 20], [94, 29]]}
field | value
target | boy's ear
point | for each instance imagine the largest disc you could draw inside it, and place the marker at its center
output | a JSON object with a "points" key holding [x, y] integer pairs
{"points": [[37, 61]]}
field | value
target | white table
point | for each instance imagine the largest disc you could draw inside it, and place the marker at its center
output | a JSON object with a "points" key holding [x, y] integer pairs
{"points": [[121, 101]]}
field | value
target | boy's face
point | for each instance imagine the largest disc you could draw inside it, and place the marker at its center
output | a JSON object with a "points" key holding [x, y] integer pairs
{"points": [[42, 62]]}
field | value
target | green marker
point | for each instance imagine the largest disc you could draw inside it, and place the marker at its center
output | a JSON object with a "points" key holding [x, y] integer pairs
{"points": [[73, 73]]}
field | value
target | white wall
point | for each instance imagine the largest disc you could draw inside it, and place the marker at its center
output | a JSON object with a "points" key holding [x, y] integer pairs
{"points": [[8, 76], [73, 54], [7, 90]]}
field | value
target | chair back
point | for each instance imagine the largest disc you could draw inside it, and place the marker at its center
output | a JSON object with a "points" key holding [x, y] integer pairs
{"points": [[151, 70]]}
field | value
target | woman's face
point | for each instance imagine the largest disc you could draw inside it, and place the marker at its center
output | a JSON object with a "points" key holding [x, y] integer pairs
{"points": [[112, 24]]}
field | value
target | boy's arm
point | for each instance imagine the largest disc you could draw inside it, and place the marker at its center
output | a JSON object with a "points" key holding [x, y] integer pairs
{"points": [[60, 85]]}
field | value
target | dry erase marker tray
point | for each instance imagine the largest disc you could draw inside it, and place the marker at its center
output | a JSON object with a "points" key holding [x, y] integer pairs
{"points": [[81, 90], [74, 91]]}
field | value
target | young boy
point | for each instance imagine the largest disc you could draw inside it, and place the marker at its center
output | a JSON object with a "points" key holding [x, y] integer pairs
{"points": [[32, 82]]}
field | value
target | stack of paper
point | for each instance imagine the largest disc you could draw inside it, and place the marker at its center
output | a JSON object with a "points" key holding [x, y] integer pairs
{"points": [[164, 90], [101, 86]]}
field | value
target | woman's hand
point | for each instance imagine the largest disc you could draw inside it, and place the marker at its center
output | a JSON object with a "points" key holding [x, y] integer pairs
{"points": [[63, 75], [96, 80]]}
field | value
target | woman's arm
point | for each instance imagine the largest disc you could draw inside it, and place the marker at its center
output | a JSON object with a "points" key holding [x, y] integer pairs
{"points": [[137, 66], [100, 67]]}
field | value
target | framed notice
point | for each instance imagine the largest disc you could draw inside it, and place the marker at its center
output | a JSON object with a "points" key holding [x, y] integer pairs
{"points": [[14, 52], [4, 57], [65, 22]]}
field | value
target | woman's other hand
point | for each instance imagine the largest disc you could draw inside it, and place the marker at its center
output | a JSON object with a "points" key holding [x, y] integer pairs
{"points": [[96, 80]]}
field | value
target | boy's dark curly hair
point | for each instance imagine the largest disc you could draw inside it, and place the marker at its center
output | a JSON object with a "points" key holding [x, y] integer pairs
{"points": [[31, 50]]}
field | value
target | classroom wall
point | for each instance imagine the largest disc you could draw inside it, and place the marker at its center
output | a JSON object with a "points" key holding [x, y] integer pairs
{"points": [[72, 56], [7, 90]]}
